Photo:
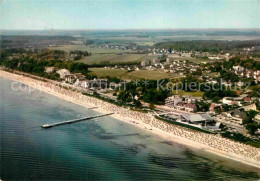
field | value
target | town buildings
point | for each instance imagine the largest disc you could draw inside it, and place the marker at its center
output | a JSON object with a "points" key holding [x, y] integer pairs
{"points": [[63, 73], [181, 103]]}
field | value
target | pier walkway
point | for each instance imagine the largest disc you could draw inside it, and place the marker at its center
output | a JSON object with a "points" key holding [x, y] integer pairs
{"points": [[73, 121]]}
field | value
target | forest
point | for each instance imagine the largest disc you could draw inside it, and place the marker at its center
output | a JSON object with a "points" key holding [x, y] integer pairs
{"points": [[215, 46]]}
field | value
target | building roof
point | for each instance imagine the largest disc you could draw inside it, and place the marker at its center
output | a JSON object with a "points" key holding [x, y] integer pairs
{"points": [[193, 117], [63, 71], [239, 114], [247, 99], [182, 104], [206, 116], [213, 105], [190, 105]]}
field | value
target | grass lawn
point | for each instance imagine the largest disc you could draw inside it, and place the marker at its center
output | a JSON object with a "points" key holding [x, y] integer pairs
{"points": [[212, 74], [183, 93], [254, 86]]}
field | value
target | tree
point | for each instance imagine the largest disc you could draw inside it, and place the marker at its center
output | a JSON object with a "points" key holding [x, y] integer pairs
{"points": [[251, 114], [151, 106], [247, 121], [226, 107], [137, 103], [216, 99], [203, 106], [252, 128]]}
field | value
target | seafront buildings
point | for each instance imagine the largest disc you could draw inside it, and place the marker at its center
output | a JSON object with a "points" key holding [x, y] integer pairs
{"points": [[210, 141]]}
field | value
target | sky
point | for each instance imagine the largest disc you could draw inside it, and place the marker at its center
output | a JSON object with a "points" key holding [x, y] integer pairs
{"points": [[128, 14]]}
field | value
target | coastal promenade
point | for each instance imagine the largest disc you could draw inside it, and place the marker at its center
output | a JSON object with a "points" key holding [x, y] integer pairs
{"points": [[208, 142]]}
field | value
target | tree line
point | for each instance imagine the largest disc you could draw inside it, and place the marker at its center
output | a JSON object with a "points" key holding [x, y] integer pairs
{"points": [[208, 45], [37, 67]]}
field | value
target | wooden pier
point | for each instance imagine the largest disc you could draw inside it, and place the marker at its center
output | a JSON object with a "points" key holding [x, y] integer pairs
{"points": [[93, 108], [73, 121]]}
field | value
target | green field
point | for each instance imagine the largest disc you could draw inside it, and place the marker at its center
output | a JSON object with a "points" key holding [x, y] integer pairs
{"points": [[113, 58], [103, 54], [93, 50], [147, 74], [139, 74], [102, 72], [183, 93], [113, 55]]}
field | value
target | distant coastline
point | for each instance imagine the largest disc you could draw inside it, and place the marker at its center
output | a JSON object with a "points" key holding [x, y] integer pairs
{"points": [[210, 143]]}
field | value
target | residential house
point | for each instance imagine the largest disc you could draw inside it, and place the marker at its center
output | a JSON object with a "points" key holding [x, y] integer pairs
{"points": [[257, 75], [169, 60], [173, 100], [250, 107], [70, 78], [190, 107], [145, 63], [249, 73], [247, 99], [63, 72], [186, 55], [238, 68], [257, 118], [190, 99], [215, 107], [240, 84], [238, 115], [155, 61], [180, 106], [229, 101], [50, 69]]}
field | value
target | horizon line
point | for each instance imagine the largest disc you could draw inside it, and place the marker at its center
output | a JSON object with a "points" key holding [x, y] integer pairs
{"points": [[134, 29]]}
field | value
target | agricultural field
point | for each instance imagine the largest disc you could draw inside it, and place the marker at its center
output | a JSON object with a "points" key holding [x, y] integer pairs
{"points": [[147, 74], [113, 58], [103, 54], [103, 72], [119, 40], [93, 50], [183, 93], [124, 74]]}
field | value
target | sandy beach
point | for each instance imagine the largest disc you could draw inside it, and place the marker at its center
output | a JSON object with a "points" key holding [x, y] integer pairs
{"points": [[207, 142]]}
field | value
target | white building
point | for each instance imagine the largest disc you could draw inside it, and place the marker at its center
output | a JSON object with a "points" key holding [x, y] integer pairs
{"points": [[257, 118], [190, 99], [155, 61], [169, 60], [238, 68], [50, 69], [201, 119], [145, 63], [229, 101], [173, 101], [70, 78], [63, 72]]}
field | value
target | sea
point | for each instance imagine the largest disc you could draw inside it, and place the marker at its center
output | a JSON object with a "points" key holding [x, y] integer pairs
{"points": [[99, 149]]}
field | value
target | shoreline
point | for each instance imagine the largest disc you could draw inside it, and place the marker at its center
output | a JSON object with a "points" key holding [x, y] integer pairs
{"points": [[209, 143]]}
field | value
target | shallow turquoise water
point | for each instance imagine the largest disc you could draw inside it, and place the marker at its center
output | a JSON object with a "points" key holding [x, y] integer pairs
{"points": [[99, 149]]}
